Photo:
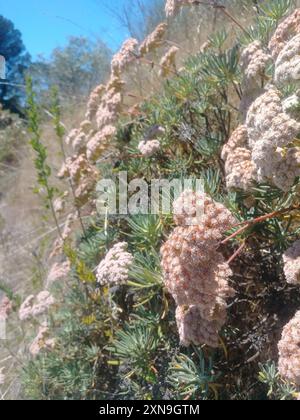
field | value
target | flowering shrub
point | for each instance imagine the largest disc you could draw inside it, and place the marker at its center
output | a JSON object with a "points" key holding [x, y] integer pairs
{"points": [[195, 304]]}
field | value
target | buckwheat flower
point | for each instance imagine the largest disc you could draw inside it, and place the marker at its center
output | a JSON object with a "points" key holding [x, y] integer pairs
{"points": [[44, 300], [254, 62], [42, 341], [149, 148], [287, 66], [6, 307], [109, 110], [58, 272], [291, 260], [100, 142], [94, 101], [154, 40], [240, 170], [289, 351], [71, 136], [262, 113], [239, 138], [194, 272], [194, 329], [168, 62], [287, 169], [124, 57], [2, 377], [284, 32], [114, 268], [36, 305], [25, 311]]}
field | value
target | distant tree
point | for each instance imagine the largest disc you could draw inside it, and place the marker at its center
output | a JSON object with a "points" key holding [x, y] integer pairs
{"points": [[17, 61], [75, 69], [138, 17]]}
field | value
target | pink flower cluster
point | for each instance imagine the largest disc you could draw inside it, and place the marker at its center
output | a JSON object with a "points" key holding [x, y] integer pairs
{"points": [[149, 148], [6, 307], [114, 268], [239, 168], [58, 271], [195, 273], [34, 306], [42, 341], [289, 351], [285, 31], [254, 62]]}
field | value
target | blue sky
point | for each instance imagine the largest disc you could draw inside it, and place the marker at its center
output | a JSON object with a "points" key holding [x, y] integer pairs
{"points": [[46, 24]]}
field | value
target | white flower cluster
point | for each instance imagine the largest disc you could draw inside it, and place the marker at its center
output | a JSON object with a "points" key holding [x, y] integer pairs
{"points": [[149, 148], [291, 259], [267, 154], [254, 62], [195, 273], [287, 66], [114, 268], [2, 376], [289, 351], [285, 31]]}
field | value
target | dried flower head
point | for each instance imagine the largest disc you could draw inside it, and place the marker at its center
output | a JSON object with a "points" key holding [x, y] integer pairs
{"points": [[168, 62], [154, 40], [284, 32], [194, 329], [94, 101], [124, 57], [100, 142], [289, 351], [195, 273], [291, 259], [114, 268]]}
